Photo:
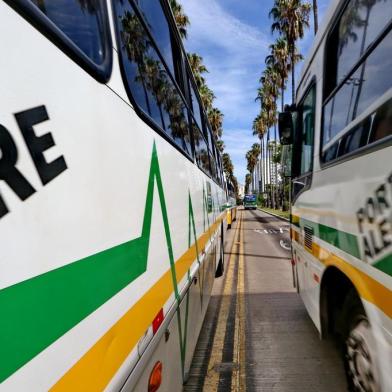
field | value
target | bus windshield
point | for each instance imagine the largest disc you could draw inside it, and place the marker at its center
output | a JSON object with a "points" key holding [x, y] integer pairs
{"points": [[250, 198]]}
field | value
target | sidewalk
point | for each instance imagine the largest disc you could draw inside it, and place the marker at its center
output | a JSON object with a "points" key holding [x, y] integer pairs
{"points": [[285, 215]]}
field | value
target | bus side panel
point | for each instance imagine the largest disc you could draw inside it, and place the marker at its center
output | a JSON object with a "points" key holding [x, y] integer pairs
{"points": [[98, 204]]}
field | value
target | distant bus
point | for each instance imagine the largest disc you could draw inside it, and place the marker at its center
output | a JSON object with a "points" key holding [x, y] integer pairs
{"points": [[250, 202], [112, 198], [341, 218]]}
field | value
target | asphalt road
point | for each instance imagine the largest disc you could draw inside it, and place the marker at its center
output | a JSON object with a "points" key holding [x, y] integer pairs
{"points": [[257, 335]]}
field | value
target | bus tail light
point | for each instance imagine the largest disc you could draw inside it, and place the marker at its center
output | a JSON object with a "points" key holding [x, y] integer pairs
{"points": [[155, 380], [156, 323]]}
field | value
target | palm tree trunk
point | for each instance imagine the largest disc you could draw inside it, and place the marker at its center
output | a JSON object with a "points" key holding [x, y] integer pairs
{"points": [[282, 102], [268, 162], [315, 16], [292, 83], [266, 168], [261, 166], [270, 173], [292, 54]]}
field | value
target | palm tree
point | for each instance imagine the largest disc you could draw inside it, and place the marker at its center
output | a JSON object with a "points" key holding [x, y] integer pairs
{"points": [[279, 60], [259, 129], [290, 19], [268, 94], [220, 145], [198, 68], [247, 182], [227, 165], [182, 20], [252, 157], [215, 117], [207, 97]]}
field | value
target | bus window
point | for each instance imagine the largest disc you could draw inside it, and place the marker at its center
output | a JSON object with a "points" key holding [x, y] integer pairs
{"points": [[150, 83], [157, 23], [358, 63], [307, 109], [382, 123], [355, 139], [81, 21], [195, 106], [201, 150], [364, 86], [213, 168], [360, 24]]}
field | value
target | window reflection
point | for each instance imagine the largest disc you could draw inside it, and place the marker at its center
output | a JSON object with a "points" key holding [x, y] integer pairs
{"points": [[370, 81], [360, 24], [196, 106], [159, 27], [80, 20], [382, 123], [307, 129], [150, 83], [201, 149]]}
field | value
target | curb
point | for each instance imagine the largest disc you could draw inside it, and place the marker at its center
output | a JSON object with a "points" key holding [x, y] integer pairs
{"points": [[275, 215]]}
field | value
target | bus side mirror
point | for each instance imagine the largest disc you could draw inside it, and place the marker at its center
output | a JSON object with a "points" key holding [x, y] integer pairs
{"points": [[286, 128]]}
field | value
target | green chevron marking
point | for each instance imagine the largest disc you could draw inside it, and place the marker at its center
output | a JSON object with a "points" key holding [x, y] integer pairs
{"points": [[36, 312]]}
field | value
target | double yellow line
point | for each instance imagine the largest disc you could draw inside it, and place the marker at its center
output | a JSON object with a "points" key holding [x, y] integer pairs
{"points": [[238, 379]]}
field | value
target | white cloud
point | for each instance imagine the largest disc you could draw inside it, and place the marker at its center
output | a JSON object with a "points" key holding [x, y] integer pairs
{"points": [[233, 51]]}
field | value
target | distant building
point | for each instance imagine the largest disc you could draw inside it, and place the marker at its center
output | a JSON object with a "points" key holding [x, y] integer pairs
{"points": [[241, 190]]}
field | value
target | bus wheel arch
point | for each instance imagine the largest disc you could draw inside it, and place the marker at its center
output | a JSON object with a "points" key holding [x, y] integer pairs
{"points": [[343, 316], [334, 288]]}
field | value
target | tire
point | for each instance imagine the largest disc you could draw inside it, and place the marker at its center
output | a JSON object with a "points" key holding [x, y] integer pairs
{"points": [[221, 266], [359, 351]]}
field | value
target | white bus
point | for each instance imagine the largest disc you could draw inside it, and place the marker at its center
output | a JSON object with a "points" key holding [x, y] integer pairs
{"points": [[112, 198], [341, 218]]}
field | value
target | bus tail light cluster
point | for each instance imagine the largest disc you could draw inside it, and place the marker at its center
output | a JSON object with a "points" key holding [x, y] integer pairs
{"points": [[155, 380], [156, 323]]}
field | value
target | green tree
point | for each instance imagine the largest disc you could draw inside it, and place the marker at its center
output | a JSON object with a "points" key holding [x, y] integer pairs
{"points": [[215, 117], [207, 97], [182, 20], [279, 60], [291, 17], [198, 68], [247, 182]]}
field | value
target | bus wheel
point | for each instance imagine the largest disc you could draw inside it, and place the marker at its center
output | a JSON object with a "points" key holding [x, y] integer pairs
{"points": [[359, 348]]}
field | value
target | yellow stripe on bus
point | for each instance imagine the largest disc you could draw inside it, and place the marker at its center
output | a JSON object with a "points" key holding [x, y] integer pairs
{"points": [[368, 288], [100, 363]]}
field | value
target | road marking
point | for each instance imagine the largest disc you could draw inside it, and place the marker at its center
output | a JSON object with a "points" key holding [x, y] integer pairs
{"points": [[284, 245], [239, 379], [271, 231], [212, 377]]}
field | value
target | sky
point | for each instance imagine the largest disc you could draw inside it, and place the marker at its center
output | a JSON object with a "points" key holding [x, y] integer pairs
{"points": [[233, 37]]}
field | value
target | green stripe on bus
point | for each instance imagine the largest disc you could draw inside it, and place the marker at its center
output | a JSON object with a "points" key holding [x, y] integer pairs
{"points": [[340, 239], [36, 312], [385, 265]]}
